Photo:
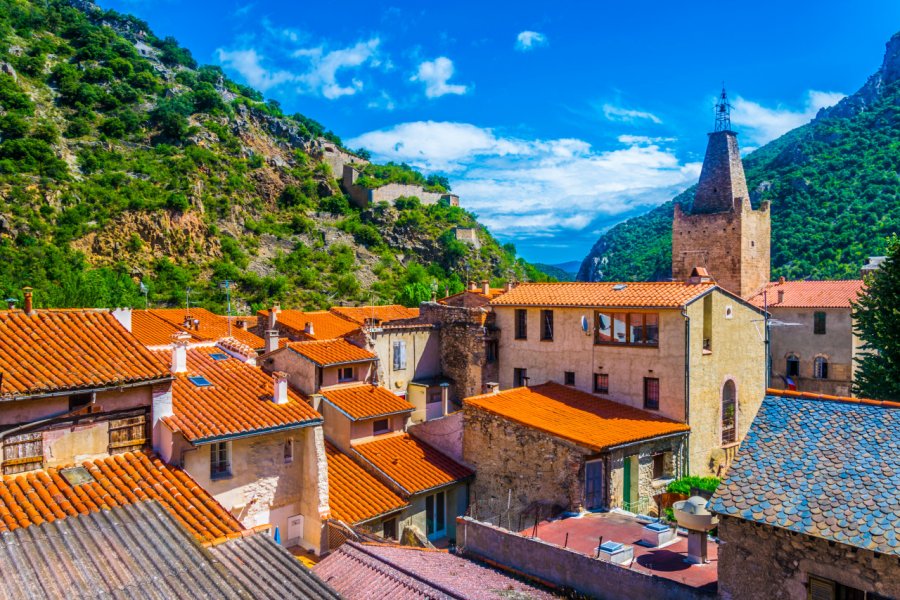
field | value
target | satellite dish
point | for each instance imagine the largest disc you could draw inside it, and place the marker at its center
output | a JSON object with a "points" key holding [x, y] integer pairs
{"points": [[585, 325]]}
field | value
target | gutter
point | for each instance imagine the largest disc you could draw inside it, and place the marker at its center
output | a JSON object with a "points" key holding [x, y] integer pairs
{"points": [[687, 377], [255, 432], [70, 391]]}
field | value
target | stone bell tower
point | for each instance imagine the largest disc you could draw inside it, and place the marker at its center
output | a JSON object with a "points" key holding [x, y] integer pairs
{"points": [[722, 232]]}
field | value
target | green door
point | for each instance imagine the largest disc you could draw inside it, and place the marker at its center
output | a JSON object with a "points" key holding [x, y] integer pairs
{"points": [[629, 483]]}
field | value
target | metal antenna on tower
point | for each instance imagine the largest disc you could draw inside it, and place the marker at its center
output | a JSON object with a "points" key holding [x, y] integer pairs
{"points": [[227, 285], [723, 112]]}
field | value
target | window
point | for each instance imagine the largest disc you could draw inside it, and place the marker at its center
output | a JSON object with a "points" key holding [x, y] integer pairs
{"points": [[547, 325], [218, 356], [729, 413], [23, 452], [659, 465], [521, 324], [520, 377], [819, 323], [707, 324], [826, 589], [380, 426], [601, 383], [792, 366], [345, 374], [77, 401], [651, 393], [435, 515], [491, 351], [399, 355], [288, 451], [626, 328], [200, 381], [820, 368], [593, 484], [127, 435], [389, 529], [220, 460], [569, 378]]}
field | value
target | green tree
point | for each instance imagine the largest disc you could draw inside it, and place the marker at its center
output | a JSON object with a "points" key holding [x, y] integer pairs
{"points": [[877, 318]]}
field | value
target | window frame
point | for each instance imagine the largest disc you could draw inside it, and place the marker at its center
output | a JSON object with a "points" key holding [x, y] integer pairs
{"points": [[728, 435], [385, 429], [216, 452], [569, 378], [820, 322], [601, 388], [520, 375], [399, 355], [546, 325], [341, 378], [626, 319], [820, 367], [651, 384], [288, 451], [521, 324], [792, 360], [491, 351]]}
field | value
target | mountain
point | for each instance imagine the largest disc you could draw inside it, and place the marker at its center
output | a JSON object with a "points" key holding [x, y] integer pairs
{"points": [[834, 185], [555, 272], [127, 167]]}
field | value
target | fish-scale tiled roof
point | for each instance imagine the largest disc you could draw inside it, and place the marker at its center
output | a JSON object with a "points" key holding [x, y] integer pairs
{"points": [[45, 495], [577, 416], [809, 294], [326, 326], [361, 314], [331, 352], [52, 351], [636, 294], [238, 402], [366, 401], [411, 463], [354, 495], [828, 469], [212, 327]]}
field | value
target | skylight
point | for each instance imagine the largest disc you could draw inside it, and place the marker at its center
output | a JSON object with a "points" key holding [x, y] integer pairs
{"points": [[200, 381], [218, 356]]}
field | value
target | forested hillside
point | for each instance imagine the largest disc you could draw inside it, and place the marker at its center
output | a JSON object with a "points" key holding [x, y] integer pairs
{"points": [[123, 161], [834, 185]]}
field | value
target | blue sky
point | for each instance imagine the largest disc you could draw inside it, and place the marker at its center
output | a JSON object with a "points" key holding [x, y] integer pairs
{"points": [[554, 121]]}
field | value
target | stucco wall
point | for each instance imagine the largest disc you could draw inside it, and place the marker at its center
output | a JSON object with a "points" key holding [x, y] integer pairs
{"points": [[444, 433], [26, 411], [765, 562], [423, 355], [301, 372]]}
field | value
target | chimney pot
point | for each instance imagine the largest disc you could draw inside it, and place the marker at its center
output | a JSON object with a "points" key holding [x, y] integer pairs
{"points": [[273, 315], [309, 329], [781, 280], [486, 287], [271, 340], [280, 393], [28, 305], [179, 353], [780, 296], [472, 286]]}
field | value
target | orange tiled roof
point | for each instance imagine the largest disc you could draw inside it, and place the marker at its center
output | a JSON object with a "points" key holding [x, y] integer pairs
{"points": [[331, 352], [354, 495], [577, 416], [366, 401], [212, 326], [51, 351], [239, 401], [637, 294], [810, 294], [44, 496], [412, 464], [152, 330], [389, 312], [326, 326]]}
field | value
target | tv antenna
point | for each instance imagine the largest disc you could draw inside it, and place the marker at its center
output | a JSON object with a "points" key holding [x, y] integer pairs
{"points": [[227, 285], [723, 111]]}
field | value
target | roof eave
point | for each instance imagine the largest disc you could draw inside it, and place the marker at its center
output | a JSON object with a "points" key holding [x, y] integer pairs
{"points": [[251, 433], [74, 390]]}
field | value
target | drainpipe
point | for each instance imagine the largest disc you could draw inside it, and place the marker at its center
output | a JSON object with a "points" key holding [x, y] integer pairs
{"points": [[687, 378]]}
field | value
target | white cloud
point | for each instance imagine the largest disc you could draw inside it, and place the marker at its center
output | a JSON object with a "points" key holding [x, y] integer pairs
{"points": [[383, 101], [435, 74], [534, 187], [627, 115], [249, 64], [763, 124], [529, 40], [323, 67]]}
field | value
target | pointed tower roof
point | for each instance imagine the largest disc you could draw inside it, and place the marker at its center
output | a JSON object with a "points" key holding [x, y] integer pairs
{"points": [[722, 186]]}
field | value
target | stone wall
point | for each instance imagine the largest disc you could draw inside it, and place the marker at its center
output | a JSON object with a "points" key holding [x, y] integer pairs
{"points": [[565, 568], [467, 235], [722, 183], [758, 561], [364, 197]]}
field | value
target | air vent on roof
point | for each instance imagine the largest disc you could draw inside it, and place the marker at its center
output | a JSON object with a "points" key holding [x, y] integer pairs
{"points": [[76, 476], [620, 286], [200, 381], [218, 356]]}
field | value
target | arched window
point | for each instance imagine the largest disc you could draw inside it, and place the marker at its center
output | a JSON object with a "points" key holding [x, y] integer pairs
{"points": [[792, 366], [729, 413], [820, 368]]}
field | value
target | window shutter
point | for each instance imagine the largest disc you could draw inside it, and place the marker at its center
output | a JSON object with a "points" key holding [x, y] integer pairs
{"points": [[396, 355], [820, 589], [402, 355]]}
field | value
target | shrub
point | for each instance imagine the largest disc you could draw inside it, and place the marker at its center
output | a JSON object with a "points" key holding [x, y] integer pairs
{"points": [[684, 485]]}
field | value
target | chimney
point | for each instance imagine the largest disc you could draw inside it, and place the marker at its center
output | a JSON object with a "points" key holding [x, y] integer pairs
{"points": [[308, 329], [197, 324], [486, 287], [280, 395], [271, 340], [491, 387], [780, 296], [509, 285], [11, 303], [473, 286], [28, 306], [179, 353], [187, 322], [241, 324], [123, 316], [273, 316]]}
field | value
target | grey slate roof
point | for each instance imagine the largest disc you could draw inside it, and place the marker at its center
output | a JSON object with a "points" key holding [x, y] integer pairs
{"points": [[829, 469], [133, 551]]}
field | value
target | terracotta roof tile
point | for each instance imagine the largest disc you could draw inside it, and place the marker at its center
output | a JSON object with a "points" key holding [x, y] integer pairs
{"points": [[212, 327], [471, 298], [810, 294], [51, 351], [361, 314], [41, 496], [151, 330], [354, 495], [331, 352], [239, 401], [638, 294], [411, 463], [326, 326], [577, 416], [366, 401]]}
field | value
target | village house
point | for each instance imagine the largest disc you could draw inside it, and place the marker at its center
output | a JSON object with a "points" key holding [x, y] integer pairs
{"points": [[474, 296], [555, 445], [250, 441], [688, 351], [315, 365], [300, 326], [74, 385], [809, 507], [812, 342]]}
